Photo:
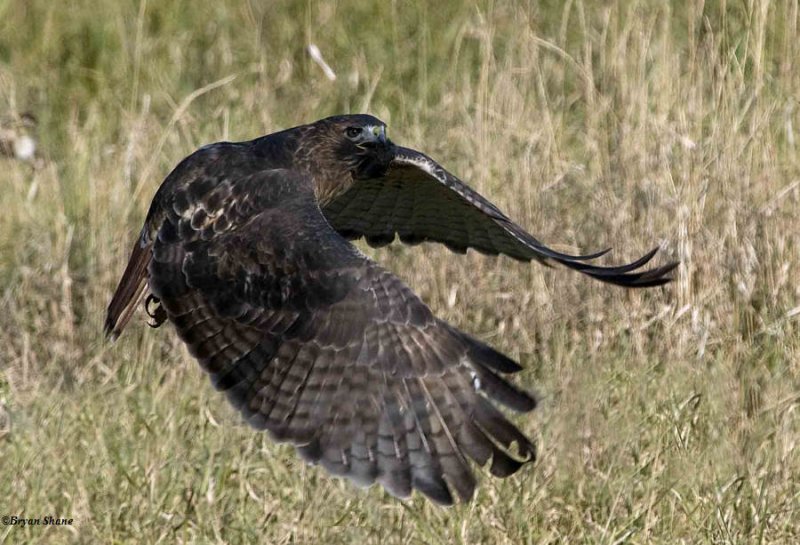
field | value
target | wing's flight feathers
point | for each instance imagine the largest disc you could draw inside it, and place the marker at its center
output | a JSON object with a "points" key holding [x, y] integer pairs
{"points": [[420, 201], [614, 275], [130, 290], [324, 349]]}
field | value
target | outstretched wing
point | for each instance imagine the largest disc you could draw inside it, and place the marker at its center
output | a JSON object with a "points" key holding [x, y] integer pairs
{"points": [[320, 346], [420, 201]]}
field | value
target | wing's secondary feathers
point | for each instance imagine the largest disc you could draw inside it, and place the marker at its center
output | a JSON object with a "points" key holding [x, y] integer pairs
{"points": [[418, 200], [324, 349]]}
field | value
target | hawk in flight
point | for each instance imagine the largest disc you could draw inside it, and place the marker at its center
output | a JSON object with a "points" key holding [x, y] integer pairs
{"points": [[245, 251]]}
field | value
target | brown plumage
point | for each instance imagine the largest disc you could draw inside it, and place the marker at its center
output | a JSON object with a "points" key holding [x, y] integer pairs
{"points": [[244, 248]]}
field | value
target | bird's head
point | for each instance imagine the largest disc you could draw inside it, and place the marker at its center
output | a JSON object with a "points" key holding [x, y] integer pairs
{"points": [[360, 141]]}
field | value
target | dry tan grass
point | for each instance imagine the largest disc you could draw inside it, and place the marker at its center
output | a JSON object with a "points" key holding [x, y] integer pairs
{"points": [[668, 415]]}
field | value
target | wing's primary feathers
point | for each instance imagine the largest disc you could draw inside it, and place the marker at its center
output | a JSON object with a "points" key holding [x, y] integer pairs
{"points": [[320, 346], [130, 290], [420, 201]]}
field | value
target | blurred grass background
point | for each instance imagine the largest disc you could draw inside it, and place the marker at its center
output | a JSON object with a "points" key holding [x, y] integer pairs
{"points": [[669, 415]]}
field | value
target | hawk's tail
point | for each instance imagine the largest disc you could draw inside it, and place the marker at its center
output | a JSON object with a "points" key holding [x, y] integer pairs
{"points": [[130, 290]]}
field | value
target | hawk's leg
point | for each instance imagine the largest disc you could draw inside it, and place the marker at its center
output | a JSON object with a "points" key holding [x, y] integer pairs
{"points": [[158, 314]]}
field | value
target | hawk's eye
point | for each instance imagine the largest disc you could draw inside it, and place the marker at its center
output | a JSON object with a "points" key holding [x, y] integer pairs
{"points": [[352, 132]]}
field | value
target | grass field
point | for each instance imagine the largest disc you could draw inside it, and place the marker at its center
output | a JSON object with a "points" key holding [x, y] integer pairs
{"points": [[669, 415]]}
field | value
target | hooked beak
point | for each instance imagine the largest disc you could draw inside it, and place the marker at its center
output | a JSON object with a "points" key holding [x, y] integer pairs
{"points": [[378, 135]]}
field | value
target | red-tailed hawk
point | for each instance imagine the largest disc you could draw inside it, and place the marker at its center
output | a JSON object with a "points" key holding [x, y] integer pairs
{"points": [[245, 251]]}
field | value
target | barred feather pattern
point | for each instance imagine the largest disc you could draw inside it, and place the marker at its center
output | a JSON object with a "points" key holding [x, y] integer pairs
{"points": [[323, 348]]}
